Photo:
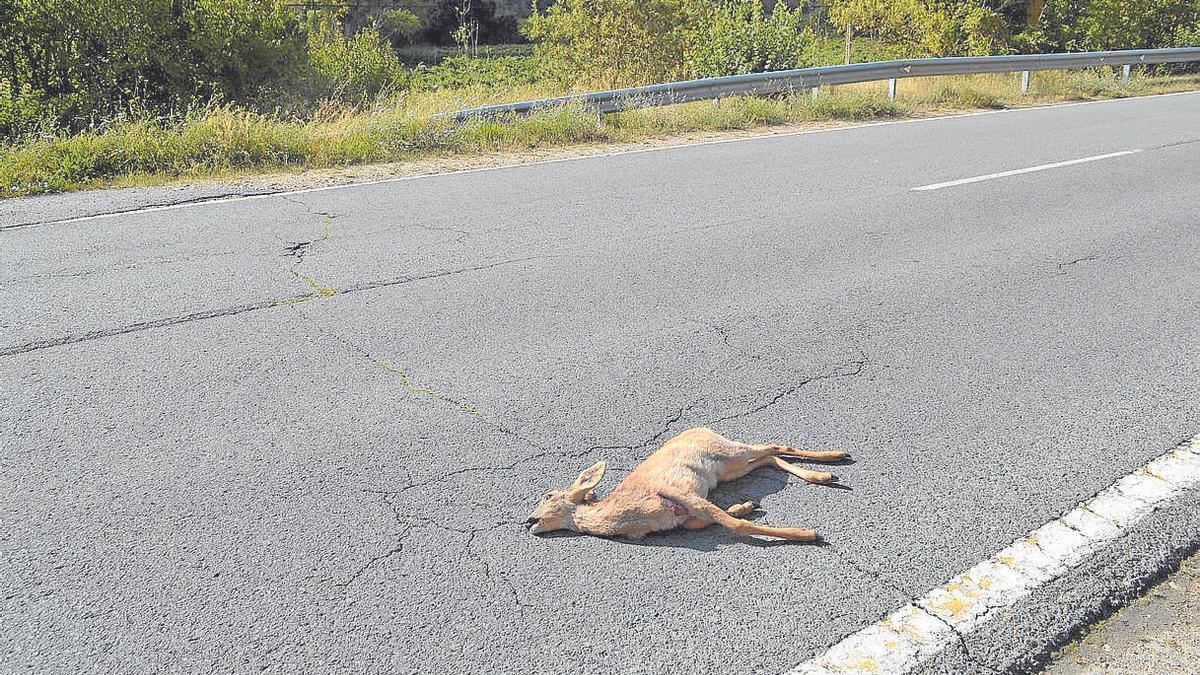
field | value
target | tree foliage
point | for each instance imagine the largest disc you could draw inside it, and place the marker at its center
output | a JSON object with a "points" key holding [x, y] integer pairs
{"points": [[926, 28], [77, 63], [1084, 25], [97, 58], [731, 38], [74, 64], [626, 42], [611, 42], [1143, 24], [979, 27], [356, 67]]}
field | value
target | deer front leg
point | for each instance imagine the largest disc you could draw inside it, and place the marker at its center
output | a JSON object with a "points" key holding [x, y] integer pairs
{"points": [[737, 511], [740, 510], [789, 533], [702, 509]]}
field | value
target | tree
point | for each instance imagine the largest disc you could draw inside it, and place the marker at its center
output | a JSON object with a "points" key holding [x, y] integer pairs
{"points": [[1137, 24], [929, 28]]}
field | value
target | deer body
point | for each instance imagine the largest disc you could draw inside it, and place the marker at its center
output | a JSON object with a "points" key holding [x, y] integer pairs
{"points": [[670, 489]]}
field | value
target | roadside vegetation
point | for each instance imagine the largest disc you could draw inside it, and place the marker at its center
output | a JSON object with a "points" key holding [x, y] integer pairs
{"points": [[98, 91]]}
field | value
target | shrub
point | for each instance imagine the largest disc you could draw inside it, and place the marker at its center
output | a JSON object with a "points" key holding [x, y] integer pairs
{"points": [[1079, 25], [464, 71], [631, 42], [398, 26], [828, 51], [357, 68], [1137, 24], [440, 20], [736, 37], [610, 42], [933, 28], [92, 59], [23, 111]]}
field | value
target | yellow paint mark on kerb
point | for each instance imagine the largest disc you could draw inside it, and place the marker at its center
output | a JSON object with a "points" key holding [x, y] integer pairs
{"points": [[955, 607], [866, 665], [407, 383], [1147, 472]]}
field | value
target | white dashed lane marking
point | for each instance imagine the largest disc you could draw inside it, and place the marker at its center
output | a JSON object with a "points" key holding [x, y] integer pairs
{"points": [[1028, 169]]}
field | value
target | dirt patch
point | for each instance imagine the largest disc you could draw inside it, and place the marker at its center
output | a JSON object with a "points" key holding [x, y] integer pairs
{"points": [[1157, 633]]}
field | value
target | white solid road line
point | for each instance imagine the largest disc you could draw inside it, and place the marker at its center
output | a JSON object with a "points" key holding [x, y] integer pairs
{"points": [[1028, 169], [910, 637]]}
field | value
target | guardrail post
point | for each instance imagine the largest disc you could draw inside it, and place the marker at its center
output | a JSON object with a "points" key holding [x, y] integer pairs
{"points": [[1125, 74], [892, 89], [1024, 82]]}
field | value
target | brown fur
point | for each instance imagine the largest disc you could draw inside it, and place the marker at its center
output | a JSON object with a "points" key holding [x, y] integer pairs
{"points": [[670, 489]]}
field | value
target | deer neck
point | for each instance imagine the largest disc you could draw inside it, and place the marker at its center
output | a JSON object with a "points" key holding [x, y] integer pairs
{"points": [[594, 519]]}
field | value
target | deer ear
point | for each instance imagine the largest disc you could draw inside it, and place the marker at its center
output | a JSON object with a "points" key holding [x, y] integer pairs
{"points": [[590, 477]]}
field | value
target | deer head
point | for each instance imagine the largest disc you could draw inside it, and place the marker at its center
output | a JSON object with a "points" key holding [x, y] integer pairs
{"points": [[556, 511]]}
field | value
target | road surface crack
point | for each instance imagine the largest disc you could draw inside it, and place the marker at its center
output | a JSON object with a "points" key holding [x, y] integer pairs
{"points": [[725, 336], [462, 234], [666, 428], [910, 599], [962, 643], [137, 209], [126, 266], [299, 249], [491, 576], [851, 368], [250, 307], [405, 523], [876, 575], [409, 385], [1062, 266], [401, 533]]}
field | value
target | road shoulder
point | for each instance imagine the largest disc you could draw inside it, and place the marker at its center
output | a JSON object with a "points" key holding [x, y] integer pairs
{"points": [[1156, 633]]}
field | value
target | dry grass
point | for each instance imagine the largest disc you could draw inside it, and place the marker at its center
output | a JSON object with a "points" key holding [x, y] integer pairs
{"points": [[221, 141]]}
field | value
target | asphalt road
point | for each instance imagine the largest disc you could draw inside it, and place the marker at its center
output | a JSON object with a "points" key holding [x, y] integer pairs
{"points": [[210, 464]]}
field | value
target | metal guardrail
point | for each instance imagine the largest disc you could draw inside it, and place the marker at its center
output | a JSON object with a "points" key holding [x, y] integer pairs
{"points": [[814, 78]]}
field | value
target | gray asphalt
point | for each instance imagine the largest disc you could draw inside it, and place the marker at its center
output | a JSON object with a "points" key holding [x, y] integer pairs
{"points": [[208, 468]]}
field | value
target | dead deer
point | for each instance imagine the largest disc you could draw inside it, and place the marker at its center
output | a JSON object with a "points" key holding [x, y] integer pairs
{"points": [[670, 488]]}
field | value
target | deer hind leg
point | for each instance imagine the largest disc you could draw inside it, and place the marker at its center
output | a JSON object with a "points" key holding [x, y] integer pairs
{"points": [[772, 449], [801, 472], [737, 511]]}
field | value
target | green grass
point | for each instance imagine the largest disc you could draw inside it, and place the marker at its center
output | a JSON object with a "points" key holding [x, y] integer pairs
{"points": [[221, 141]]}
